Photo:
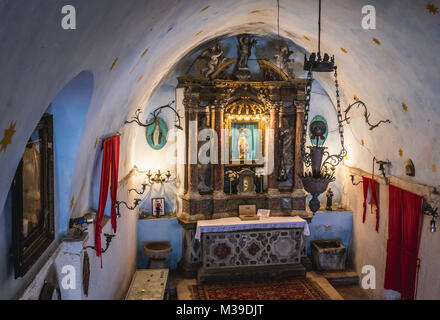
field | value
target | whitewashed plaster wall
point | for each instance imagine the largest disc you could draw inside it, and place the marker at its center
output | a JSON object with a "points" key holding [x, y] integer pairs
{"points": [[370, 247], [394, 75]]}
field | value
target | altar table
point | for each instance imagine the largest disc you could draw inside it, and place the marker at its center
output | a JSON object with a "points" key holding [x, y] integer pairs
{"points": [[236, 249], [233, 224]]}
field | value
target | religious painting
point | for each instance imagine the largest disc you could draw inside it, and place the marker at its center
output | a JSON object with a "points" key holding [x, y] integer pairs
{"points": [[32, 199], [158, 207], [156, 133], [245, 142], [318, 131]]}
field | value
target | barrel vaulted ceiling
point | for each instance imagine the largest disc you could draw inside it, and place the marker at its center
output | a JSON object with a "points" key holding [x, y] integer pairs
{"points": [[129, 46]]}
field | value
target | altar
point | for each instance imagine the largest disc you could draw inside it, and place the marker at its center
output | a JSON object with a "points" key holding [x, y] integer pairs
{"points": [[240, 145], [267, 248]]}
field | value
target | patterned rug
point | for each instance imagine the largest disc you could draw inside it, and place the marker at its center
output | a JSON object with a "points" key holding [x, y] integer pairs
{"points": [[295, 289]]}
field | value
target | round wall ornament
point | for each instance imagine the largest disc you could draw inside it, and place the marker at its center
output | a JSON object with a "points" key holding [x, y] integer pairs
{"points": [[157, 133]]}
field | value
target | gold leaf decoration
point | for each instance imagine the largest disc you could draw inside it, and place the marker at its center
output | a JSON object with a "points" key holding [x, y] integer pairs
{"points": [[198, 33], [344, 50], [307, 38], [376, 41], [204, 9], [434, 168], [96, 143], [432, 8], [145, 52], [363, 142], [355, 97], [255, 11], [405, 107], [114, 63], [140, 78], [7, 137], [401, 152], [72, 203]]}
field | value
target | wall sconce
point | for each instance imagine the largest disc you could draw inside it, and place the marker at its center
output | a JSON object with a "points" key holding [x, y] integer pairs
{"points": [[108, 240], [159, 177], [382, 165], [135, 205], [352, 180], [430, 211], [144, 187]]}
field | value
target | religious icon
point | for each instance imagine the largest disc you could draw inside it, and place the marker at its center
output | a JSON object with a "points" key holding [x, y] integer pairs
{"points": [[244, 141], [158, 207], [156, 133], [318, 131]]}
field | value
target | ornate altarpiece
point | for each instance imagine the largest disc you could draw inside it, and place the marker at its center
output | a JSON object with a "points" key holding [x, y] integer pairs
{"points": [[271, 101]]}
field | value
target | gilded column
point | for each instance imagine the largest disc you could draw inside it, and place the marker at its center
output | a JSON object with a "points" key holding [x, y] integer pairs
{"points": [[219, 168], [274, 126], [299, 165], [299, 195], [193, 169]]}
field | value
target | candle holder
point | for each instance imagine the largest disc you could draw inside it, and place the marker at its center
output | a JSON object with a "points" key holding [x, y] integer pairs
{"points": [[158, 177], [135, 205]]}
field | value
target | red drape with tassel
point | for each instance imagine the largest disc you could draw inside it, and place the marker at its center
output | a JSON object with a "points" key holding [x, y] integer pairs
{"points": [[110, 168], [405, 218], [367, 182]]}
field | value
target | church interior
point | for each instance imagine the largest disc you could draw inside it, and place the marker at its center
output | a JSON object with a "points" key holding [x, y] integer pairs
{"points": [[219, 150]]}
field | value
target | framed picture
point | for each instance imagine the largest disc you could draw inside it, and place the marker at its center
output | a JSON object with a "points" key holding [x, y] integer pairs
{"points": [[158, 207]]}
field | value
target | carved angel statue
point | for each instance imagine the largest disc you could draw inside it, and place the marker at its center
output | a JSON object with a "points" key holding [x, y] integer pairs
{"points": [[245, 50], [282, 58], [215, 57]]}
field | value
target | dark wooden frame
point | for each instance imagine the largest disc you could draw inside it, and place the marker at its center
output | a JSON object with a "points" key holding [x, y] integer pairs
{"points": [[26, 251], [152, 207]]}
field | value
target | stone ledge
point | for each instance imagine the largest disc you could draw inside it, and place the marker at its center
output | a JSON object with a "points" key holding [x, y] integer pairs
{"points": [[252, 273]]}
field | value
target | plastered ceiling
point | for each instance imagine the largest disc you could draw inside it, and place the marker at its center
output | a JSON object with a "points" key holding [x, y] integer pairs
{"points": [[131, 45]]}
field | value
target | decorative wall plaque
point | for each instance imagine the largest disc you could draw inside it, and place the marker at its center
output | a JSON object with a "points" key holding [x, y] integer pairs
{"points": [[156, 133]]}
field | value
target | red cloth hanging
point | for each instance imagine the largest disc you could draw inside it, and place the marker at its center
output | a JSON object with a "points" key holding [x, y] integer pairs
{"points": [[405, 218], [367, 182], [110, 164]]}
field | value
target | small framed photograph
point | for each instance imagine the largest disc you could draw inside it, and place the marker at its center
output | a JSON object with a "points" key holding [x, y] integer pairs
{"points": [[158, 207], [263, 213]]}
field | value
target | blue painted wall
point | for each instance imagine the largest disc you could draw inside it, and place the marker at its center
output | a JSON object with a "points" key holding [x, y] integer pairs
{"points": [[160, 230], [331, 225], [69, 109]]}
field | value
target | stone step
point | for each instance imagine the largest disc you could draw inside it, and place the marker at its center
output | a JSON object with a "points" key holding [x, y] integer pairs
{"points": [[341, 278]]}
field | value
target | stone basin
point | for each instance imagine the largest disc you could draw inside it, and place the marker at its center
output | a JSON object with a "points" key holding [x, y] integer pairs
{"points": [[328, 255], [157, 253]]}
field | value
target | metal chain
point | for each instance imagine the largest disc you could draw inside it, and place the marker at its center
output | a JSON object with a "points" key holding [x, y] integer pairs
{"points": [[306, 159], [340, 120]]}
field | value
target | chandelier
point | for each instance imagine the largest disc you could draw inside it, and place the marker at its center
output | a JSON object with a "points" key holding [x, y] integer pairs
{"points": [[321, 163]]}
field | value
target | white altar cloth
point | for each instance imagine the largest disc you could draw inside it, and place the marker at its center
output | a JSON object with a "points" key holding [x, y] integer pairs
{"points": [[234, 224]]}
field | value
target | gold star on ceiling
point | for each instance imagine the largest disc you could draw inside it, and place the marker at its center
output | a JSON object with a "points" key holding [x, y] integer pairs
{"points": [[7, 137], [114, 63], [432, 8], [72, 203]]}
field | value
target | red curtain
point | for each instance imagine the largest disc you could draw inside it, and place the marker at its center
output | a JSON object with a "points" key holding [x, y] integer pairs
{"points": [[367, 182], [110, 168], [405, 217]]}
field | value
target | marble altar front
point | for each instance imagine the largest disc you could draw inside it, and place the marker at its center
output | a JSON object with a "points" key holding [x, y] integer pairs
{"points": [[234, 249]]}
